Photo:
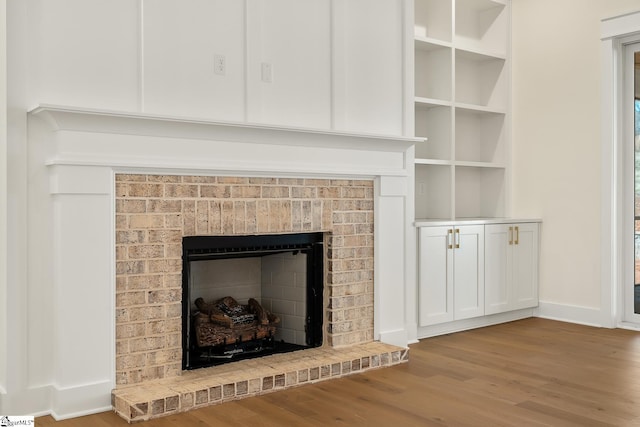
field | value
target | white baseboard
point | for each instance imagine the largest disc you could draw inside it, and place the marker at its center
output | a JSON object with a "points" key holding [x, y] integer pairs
{"points": [[569, 313], [60, 403], [476, 322], [32, 401], [398, 337], [566, 313], [76, 401]]}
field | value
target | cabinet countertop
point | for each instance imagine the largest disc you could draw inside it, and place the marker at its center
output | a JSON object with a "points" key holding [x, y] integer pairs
{"points": [[422, 222]]}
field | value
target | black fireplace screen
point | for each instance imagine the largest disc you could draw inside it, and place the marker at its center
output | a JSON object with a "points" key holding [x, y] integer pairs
{"points": [[233, 327]]}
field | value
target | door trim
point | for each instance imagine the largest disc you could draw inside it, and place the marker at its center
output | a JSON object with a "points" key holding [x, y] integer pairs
{"points": [[616, 32]]}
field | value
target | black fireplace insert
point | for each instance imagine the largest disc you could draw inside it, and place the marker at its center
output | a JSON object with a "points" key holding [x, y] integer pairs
{"points": [[234, 327]]}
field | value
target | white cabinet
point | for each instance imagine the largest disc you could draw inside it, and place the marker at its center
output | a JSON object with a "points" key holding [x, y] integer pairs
{"points": [[462, 82], [511, 268], [451, 273], [476, 273]]}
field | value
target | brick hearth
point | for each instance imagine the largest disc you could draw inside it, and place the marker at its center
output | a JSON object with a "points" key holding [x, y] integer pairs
{"points": [[246, 378]]}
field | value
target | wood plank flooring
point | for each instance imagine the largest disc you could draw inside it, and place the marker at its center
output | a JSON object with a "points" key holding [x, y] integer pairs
{"points": [[532, 372]]}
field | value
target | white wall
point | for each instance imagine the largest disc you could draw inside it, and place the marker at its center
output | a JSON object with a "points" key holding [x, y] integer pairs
{"points": [[3, 192], [556, 144], [336, 65], [13, 350]]}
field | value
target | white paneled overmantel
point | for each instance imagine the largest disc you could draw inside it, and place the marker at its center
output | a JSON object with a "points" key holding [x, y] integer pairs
{"points": [[74, 154], [332, 64]]}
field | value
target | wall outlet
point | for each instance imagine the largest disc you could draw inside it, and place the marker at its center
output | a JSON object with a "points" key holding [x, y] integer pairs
{"points": [[219, 65], [267, 72]]}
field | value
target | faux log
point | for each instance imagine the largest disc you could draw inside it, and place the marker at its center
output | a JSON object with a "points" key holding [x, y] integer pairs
{"points": [[213, 327], [260, 313], [209, 334]]}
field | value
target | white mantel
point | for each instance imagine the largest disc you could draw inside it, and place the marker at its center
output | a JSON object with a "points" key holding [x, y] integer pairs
{"points": [[73, 156], [285, 151]]}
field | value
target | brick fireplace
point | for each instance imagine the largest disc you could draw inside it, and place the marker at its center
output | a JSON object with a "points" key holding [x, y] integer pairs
{"points": [[154, 212], [112, 194]]}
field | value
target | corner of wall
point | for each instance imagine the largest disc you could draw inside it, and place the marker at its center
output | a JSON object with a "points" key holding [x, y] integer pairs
{"points": [[570, 313]]}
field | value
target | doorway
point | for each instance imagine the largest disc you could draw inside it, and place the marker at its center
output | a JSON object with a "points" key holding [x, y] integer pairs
{"points": [[631, 135], [620, 37]]}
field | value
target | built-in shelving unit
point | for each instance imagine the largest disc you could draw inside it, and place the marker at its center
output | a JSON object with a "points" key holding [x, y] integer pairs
{"points": [[476, 265], [462, 93]]}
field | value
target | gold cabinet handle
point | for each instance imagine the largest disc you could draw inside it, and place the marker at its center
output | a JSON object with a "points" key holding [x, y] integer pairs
{"points": [[511, 235], [457, 238], [517, 240], [449, 239]]}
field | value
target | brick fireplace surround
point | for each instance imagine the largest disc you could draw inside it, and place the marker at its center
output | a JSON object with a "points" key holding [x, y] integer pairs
{"points": [[154, 212]]}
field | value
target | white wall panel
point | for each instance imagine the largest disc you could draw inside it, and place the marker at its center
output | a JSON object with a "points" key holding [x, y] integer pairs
{"points": [[180, 39], [84, 346], [87, 53], [389, 274], [368, 66], [294, 37]]}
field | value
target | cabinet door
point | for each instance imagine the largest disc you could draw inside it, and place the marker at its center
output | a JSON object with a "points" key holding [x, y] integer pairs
{"points": [[525, 266], [497, 268], [511, 268], [436, 275], [468, 272]]}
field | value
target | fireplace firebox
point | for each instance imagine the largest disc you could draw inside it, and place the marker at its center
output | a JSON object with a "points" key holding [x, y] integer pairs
{"points": [[250, 295]]}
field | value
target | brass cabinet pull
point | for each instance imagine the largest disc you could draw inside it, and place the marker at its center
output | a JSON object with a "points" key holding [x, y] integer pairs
{"points": [[457, 238], [449, 238], [511, 235], [517, 240]]}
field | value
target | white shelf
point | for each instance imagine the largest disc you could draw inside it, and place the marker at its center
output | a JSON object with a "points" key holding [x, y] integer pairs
{"points": [[433, 194], [488, 165], [433, 70], [480, 136], [480, 80], [429, 43], [435, 121], [422, 102], [482, 24], [477, 54], [462, 92], [433, 19], [479, 192], [478, 6], [433, 162], [471, 108], [135, 123]]}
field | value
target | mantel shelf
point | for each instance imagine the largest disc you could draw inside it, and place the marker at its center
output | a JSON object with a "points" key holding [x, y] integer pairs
{"points": [[64, 118]]}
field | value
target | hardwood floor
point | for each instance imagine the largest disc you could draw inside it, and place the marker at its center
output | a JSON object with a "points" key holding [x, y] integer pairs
{"points": [[533, 372]]}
